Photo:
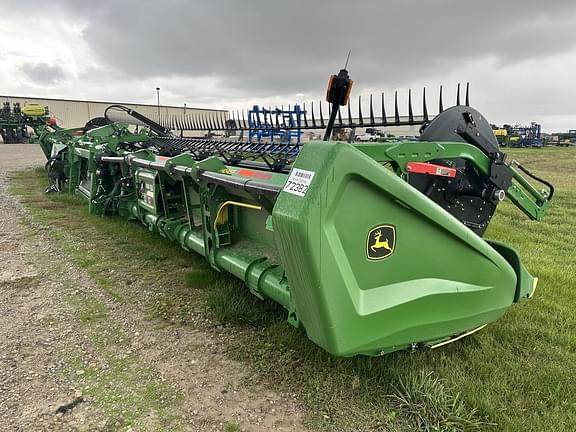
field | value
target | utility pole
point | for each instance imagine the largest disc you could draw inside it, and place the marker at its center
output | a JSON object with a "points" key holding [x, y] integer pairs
{"points": [[158, 98]]}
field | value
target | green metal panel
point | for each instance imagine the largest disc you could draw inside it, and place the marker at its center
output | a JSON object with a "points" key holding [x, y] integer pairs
{"points": [[363, 261], [441, 279]]}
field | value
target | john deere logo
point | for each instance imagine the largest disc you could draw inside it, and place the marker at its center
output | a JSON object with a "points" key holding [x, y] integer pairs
{"points": [[381, 242]]}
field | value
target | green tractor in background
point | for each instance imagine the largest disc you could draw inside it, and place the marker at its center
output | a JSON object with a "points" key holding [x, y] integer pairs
{"points": [[23, 124]]}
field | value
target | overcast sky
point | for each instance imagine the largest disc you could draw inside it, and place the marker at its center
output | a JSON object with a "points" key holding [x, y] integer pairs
{"points": [[519, 56]]}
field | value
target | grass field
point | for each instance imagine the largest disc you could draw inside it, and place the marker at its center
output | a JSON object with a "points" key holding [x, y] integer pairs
{"points": [[518, 374]]}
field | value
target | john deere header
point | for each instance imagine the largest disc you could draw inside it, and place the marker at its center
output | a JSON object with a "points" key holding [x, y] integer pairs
{"points": [[370, 248]]}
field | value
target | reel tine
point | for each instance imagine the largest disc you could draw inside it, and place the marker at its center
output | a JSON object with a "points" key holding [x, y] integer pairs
{"points": [[244, 119], [440, 104], [360, 117], [371, 111], [384, 119], [339, 116], [222, 120], [458, 95], [305, 114], [299, 114], [321, 116], [232, 118], [283, 116], [396, 113], [221, 126], [424, 107], [201, 121], [313, 118], [211, 121], [349, 115], [277, 113], [410, 112], [468, 93]]}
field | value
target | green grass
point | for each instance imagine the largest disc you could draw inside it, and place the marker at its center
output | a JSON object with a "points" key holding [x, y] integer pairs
{"points": [[427, 401], [231, 426], [515, 375], [114, 377]]}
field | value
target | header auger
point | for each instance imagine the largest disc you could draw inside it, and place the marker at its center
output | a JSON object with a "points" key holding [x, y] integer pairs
{"points": [[353, 240]]}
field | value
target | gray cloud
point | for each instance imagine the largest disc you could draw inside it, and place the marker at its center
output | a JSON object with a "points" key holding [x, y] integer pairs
{"points": [[267, 46], [43, 73], [262, 48]]}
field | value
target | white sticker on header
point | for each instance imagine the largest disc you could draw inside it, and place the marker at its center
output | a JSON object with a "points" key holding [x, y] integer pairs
{"points": [[298, 181]]}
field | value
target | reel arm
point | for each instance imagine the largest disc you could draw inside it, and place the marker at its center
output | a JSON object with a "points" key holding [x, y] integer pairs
{"points": [[520, 191]]}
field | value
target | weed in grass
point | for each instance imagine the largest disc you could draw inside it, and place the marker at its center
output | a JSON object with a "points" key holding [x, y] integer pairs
{"points": [[425, 399], [231, 426]]}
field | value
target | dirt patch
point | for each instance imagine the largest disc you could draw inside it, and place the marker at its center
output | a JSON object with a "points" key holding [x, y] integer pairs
{"points": [[72, 357]]}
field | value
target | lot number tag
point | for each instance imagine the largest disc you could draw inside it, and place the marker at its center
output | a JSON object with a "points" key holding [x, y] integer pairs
{"points": [[298, 182]]}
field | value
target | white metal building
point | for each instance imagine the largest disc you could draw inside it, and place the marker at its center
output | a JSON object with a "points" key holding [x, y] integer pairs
{"points": [[75, 113]]}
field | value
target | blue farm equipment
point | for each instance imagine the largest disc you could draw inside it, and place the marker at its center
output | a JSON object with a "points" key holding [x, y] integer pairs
{"points": [[526, 136], [275, 123]]}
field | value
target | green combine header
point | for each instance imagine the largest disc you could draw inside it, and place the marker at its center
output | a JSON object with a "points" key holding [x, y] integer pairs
{"points": [[370, 248]]}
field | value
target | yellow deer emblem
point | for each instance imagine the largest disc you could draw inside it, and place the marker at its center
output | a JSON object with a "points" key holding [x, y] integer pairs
{"points": [[381, 242]]}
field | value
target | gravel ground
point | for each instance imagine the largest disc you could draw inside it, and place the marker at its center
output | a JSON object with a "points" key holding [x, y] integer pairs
{"points": [[40, 333]]}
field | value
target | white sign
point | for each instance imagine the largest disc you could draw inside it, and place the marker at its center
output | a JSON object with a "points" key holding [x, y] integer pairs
{"points": [[298, 182]]}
